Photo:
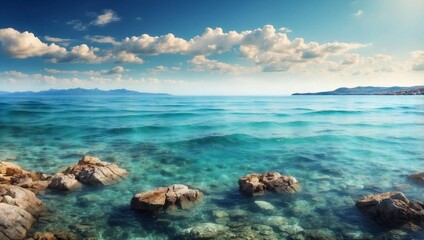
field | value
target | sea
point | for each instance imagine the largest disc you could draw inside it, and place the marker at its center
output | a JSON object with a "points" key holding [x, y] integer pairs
{"points": [[340, 148]]}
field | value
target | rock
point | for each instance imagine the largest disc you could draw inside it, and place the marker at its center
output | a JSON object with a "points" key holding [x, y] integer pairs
{"points": [[55, 235], [254, 184], [291, 229], [275, 221], [204, 231], [417, 178], [319, 234], [14, 222], [22, 198], [238, 213], [220, 214], [392, 208], [64, 182], [44, 236], [13, 174], [264, 205], [8, 168], [164, 198], [92, 170]]}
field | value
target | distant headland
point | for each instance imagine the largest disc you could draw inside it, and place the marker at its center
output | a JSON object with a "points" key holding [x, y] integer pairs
{"points": [[415, 90], [82, 91]]}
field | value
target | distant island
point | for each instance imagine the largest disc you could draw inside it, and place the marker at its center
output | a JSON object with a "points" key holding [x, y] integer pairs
{"points": [[416, 90], [82, 91]]}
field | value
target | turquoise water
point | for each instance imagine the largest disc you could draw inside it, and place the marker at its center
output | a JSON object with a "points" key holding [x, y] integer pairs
{"points": [[339, 148]]}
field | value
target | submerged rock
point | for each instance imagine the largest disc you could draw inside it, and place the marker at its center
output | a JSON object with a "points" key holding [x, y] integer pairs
{"points": [[254, 184], [91, 170], [291, 229], [164, 198], [204, 231], [392, 208], [264, 205], [64, 182], [220, 214], [417, 178], [319, 234]]}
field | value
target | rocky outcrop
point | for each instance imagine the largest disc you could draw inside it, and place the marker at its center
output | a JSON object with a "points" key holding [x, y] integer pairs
{"points": [[164, 198], [14, 222], [18, 207], [417, 178], [392, 208], [8, 168], [64, 182], [20, 197], [10, 173], [254, 184], [91, 170]]}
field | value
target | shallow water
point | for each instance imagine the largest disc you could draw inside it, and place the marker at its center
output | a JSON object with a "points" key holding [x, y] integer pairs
{"points": [[339, 147]]}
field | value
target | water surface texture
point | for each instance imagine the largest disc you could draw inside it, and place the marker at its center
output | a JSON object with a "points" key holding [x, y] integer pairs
{"points": [[339, 148]]}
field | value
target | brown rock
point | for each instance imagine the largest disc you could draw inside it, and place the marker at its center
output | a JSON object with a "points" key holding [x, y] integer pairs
{"points": [[14, 222], [64, 182], [44, 236], [164, 198], [254, 184], [417, 178], [392, 208], [22, 198], [11, 173], [92, 170], [8, 168]]}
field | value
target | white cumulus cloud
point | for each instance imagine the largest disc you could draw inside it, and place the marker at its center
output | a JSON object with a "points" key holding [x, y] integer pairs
{"points": [[418, 60], [107, 17]]}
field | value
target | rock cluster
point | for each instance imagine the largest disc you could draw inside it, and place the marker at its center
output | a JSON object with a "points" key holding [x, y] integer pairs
{"points": [[13, 174], [91, 170], [164, 198], [18, 204], [18, 209], [392, 208], [254, 184]]}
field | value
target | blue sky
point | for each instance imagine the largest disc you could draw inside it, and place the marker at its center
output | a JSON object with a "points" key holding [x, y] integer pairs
{"points": [[211, 47]]}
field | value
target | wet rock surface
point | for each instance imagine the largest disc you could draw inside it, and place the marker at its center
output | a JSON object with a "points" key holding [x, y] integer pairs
{"points": [[417, 178], [13, 174], [91, 170], [255, 184], [64, 182], [164, 198], [14, 222], [392, 208], [20, 197], [18, 209]]}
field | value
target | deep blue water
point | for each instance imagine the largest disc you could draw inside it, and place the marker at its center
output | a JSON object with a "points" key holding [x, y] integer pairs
{"points": [[339, 148]]}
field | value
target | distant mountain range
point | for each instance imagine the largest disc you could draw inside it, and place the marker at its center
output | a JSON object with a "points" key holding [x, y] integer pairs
{"points": [[80, 91], [416, 90]]}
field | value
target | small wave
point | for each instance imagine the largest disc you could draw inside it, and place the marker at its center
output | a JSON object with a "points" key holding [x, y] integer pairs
{"points": [[172, 115], [25, 113], [126, 130], [223, 140], [333, 112], [414, 112]]}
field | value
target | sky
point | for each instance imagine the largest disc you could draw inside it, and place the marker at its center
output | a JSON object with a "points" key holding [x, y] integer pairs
{"points": [[238, 47]]}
